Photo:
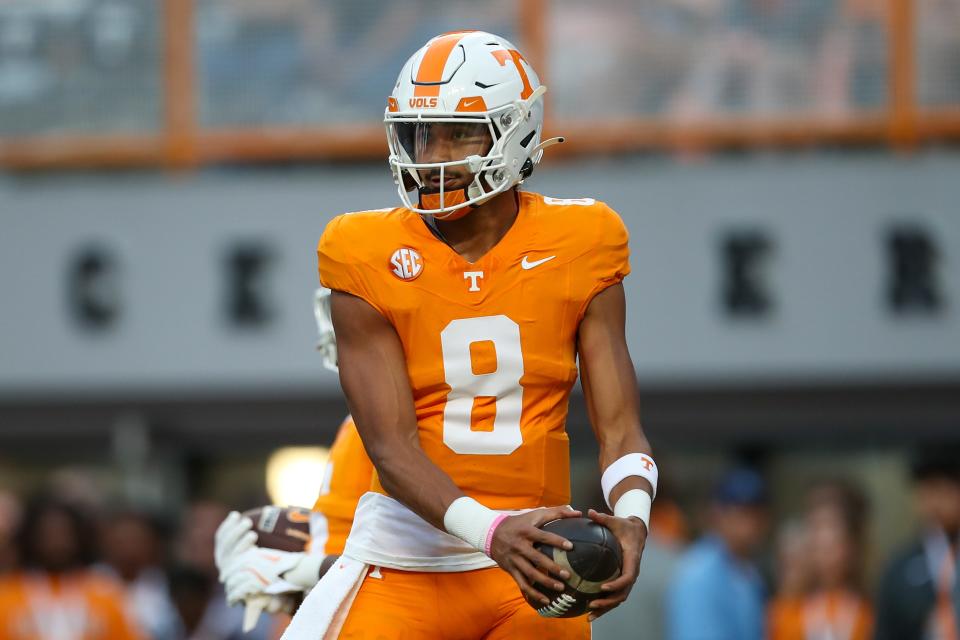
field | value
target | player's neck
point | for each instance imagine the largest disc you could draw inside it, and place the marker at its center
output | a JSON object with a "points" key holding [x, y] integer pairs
{"points": [[473, 235]]}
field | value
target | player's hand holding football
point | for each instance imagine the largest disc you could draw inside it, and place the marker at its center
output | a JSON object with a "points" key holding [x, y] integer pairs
{"points": [[512, 548], [632, 535]]}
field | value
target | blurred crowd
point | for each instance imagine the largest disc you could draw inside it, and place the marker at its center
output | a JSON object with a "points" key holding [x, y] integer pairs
{"points": [[688, 60], [803, 577], [72, 568], [312, 61], [63, 61]]}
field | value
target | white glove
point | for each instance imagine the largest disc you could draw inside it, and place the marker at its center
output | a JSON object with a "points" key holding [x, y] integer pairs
{"points": [[257, 604], [233, 537], [269, 571]]}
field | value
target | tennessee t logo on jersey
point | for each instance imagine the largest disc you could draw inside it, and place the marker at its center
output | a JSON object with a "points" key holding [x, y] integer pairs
{"points": [[406, 263], [473, 276]]}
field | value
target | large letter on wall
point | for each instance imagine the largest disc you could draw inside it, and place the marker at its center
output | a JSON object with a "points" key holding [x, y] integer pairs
{"points": [[93, 288], [247, 300], [744, 292]]}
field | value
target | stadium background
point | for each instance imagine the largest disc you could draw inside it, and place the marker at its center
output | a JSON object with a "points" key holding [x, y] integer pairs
{"points": [[787, 170]]}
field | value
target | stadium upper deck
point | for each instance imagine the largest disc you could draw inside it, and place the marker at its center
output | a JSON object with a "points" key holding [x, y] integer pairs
{"points": [[190, 82]]}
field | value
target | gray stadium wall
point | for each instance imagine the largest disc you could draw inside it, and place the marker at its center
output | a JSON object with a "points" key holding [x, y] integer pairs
{"points": [[831, 271]]}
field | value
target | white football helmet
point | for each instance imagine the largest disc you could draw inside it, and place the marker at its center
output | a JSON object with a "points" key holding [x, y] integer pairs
{"points": [[326, 339], [471, 85]]}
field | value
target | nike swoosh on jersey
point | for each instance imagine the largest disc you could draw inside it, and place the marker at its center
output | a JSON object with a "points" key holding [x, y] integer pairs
{"points": [[526, 264]]}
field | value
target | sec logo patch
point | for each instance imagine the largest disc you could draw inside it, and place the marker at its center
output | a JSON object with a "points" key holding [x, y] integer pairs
{"points": [[406, 263]]}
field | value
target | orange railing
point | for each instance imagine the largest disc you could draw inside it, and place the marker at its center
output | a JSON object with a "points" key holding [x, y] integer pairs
{"points": [[182, 142]]}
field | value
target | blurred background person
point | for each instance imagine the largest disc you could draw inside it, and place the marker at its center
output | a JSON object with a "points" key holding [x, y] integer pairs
{"points": [[916, 592], [54, 594], [9, 520], [791, 574], [191, 593], [194, 558], [823, 598], [717, 591], [132, 549], [938, 52], [956, 590]]}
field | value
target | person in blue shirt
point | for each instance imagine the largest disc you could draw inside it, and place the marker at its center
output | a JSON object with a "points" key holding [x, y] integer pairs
{"points": [[717, 592], [956, 590]]}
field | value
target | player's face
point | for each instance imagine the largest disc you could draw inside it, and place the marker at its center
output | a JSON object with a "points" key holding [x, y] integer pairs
{"points": [[433, 142]]}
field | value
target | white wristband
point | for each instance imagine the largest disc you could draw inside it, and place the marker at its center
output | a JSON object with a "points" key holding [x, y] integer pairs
{"points": [[470, 521], [632, 464], [636, 503]]}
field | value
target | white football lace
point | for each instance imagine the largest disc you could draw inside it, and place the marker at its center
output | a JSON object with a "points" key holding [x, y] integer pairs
{"points": [[558, 607]]}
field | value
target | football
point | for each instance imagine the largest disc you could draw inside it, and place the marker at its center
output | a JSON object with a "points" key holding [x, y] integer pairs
{"points": [[596, 558], [282, 528]]}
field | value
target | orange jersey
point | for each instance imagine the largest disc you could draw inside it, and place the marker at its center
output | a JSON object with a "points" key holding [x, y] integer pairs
{"points": [[490, 346], [346, 478], [81, 606], [825, 615]]}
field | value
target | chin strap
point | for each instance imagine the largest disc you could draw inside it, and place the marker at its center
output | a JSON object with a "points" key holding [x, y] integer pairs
{"points": [[525, 107], [535, 155], [547, 143], [527, 104]]}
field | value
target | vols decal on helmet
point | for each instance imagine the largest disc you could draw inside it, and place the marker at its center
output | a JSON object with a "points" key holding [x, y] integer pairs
{"points": [[406, 263], [503, 56]]}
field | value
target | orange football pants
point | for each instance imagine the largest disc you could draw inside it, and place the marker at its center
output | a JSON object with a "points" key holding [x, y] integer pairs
{"points": [[485, 604]]}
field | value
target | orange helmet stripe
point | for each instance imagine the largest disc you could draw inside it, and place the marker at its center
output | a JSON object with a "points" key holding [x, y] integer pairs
{"points": [[433, 62]]}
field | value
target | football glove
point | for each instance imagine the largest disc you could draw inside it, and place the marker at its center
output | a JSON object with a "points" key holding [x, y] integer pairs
{"points": [[259, 571], [233, 537], [257, 604]]}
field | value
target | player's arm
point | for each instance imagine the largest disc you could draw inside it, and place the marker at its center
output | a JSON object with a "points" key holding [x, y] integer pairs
{"points": [[610, 389], [374, 378]]}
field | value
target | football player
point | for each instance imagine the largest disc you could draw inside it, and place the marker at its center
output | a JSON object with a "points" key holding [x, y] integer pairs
{"points": [[268, 579], [461, 318]]}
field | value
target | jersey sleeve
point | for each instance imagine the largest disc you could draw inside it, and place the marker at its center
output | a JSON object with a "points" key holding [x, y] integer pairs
{"points": [[606, 261], [339, 260], [346, 478]]}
